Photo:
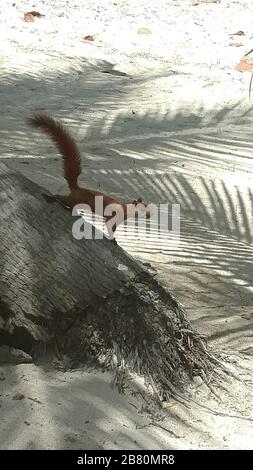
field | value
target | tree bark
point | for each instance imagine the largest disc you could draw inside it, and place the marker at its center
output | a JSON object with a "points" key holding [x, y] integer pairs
{"points": [[87, 300]]}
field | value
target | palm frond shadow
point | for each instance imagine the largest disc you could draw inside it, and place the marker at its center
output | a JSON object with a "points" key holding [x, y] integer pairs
{"points": [[162, 154]]}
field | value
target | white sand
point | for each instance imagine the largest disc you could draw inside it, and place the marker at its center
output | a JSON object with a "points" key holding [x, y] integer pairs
{"points": [[188, 141]]}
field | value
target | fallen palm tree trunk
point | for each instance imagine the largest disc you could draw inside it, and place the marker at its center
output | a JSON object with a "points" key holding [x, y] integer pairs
{"points": [[87, 300]]}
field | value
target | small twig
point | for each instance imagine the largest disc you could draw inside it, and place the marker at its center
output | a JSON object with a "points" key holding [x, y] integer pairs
{"points": [[133, 405], [220, 413], [36, 400], [158, 425], [214, 359], [250, 85], [248, 53], [203, 375]]}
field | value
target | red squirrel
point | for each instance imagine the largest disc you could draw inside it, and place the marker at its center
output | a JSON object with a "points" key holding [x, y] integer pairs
{"points": [[72, 169]]}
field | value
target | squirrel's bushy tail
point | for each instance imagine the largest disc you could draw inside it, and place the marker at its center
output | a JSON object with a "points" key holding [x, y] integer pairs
{"points": [[65, 144]]}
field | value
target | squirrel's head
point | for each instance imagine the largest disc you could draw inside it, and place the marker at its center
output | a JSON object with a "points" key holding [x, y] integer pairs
{"points": [[140, 208]]}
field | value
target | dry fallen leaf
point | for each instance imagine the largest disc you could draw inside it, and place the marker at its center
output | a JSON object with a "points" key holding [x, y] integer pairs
{"points": [[30, 15], [28, 18], [18, 396], [35, 14], [239, 33], [144, 31], [89, 38], [245, 65], [235, 44]]}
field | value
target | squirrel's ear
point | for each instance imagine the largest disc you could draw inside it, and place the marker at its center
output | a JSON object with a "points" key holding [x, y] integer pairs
{"points": [[139, 200]]}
